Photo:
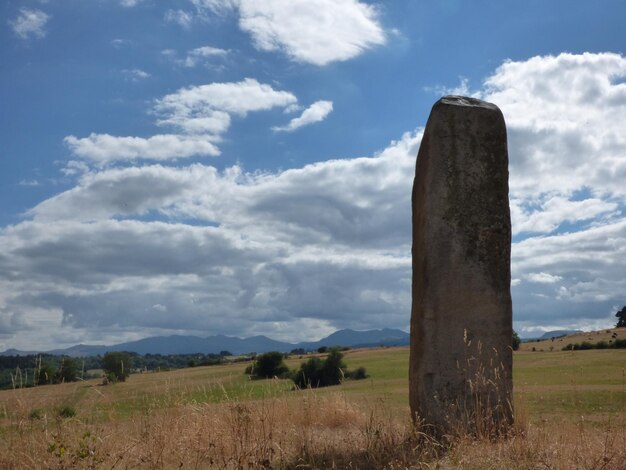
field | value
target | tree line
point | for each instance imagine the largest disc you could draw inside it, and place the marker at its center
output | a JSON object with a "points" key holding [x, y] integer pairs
{"points": [[41, 369]]}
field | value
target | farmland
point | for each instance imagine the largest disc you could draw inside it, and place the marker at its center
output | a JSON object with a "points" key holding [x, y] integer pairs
{"points": [[570, 409]]}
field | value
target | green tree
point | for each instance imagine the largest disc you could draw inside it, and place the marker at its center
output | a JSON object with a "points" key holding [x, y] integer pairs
{"points": [[621, 318], [516, 341], [117, 365], [268, 365], [68, 370]]}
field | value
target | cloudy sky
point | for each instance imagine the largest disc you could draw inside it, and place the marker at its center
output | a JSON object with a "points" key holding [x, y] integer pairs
{"points": [[244, 167]]}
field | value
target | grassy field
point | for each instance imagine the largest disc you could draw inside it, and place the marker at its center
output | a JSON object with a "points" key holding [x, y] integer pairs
{"points": [[570, 409]]}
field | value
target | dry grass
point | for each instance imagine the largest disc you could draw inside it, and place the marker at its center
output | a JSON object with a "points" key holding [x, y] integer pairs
{"points": [[302, 430], [174, 420]]}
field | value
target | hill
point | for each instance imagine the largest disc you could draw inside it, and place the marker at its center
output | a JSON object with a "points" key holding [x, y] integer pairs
{"points": [[556, 344], [559, 333]]}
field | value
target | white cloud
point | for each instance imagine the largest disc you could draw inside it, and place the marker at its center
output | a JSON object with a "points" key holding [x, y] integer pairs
{"points": [[202, 113], [317, 112], [565, 116], [30, 183], [548, 213], [337, 211], [201, 54], [313, 31], [105, 148], [543, 278], [202, 121], [135, 74], [129, 3], [234, 98], [30, 23], [314, 246], [119, 43], [323, 246], [181, 17]]}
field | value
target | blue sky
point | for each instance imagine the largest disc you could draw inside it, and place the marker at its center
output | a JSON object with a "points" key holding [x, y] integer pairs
{"points": [[244, 167]]}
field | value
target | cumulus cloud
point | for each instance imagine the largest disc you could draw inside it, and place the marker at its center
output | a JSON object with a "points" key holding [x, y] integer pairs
{"points": [[267, 203], [295, 254], [267, 253], [317, 112], [234, 97], [30, 23], [312, 31], [546, 214], [574, 279], [200, 113], [565, 116], [105, 148], [129, 3]]}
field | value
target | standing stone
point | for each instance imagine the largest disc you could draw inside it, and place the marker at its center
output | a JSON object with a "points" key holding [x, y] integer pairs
{"points": [[461, 330]]}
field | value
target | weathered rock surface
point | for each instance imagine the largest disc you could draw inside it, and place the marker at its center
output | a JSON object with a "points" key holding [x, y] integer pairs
{"points": [[461, 357]]}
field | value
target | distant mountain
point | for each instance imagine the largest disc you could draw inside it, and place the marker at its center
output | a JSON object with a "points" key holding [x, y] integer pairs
{"points": [[558, 333], [177, 344], [369, 338]]}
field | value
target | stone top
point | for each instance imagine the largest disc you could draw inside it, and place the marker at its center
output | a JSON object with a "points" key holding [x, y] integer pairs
{"points": [[454, 100]]}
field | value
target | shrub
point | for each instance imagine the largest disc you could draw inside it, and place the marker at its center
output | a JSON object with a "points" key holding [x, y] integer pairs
{"points": [[66, 411], [109, 378], [619, 344], [268, 365], [358, 374], [320, 373], [36, 413]]}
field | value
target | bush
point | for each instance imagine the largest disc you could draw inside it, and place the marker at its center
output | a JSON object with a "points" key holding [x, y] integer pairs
{"points": [[117, 366], [268, 365], [620, 344], [320, 373], [358, 374], [36, 413], [66, 411]]}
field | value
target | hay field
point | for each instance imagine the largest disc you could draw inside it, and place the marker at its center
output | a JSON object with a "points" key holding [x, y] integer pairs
{"points": [[570, 410]]}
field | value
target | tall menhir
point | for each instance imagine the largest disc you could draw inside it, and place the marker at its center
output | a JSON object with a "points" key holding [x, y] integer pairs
{"points": [[461, 328]]}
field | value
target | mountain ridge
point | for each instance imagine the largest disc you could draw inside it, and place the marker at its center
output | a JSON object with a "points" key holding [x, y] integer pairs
{"points": [[188, 344]]}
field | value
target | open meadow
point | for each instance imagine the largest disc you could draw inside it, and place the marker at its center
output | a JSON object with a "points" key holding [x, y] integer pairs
{"points": [[570, 413]]}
